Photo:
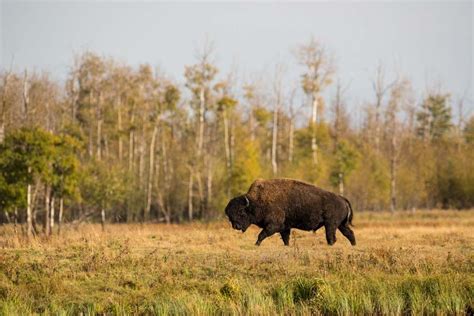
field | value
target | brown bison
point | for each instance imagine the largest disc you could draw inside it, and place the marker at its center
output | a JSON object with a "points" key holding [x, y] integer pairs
{"points": [[278, 205]]}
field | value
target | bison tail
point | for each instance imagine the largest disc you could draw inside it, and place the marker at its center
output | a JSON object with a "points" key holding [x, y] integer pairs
{"points": [[350, 214]]}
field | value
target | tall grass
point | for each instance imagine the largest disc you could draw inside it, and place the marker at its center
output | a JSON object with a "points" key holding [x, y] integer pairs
{"points": [[425, 266]]}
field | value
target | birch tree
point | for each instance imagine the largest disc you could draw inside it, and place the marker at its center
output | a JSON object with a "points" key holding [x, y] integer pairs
{"points": [[199, 79], [318, 72], [345, 155], [225, 104], [166, 100], [277, 103], [381, 88], [4, 104], [399, 96]]}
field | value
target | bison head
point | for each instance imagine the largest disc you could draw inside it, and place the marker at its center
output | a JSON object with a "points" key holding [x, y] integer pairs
{"points": [[238, 212]]}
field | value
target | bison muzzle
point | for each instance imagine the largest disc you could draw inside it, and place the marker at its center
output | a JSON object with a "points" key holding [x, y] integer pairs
{"points": [[278, 205]]}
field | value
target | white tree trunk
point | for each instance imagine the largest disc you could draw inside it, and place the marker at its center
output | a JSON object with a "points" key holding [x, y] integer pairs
{"points": [[99, 127], [141, 159], [47, 205], [2, 127], [119, 127], [274, 140], [201, 121], [190, 195], [252, 125], [150, 174], [208, 183], [161, 204], [200, 192], [131, 154], [26, 98], [15, 219], [341, 183], [29, 217], [226, 141], [102, 218], [232, 145], [291, 140], [75, 97], [60, 215], [393, 172], [91, 129], [99, 140], [3, 110], [131, 147], [106, 151], [314, 118], [51, 217], [377, 126], [7, 217]]}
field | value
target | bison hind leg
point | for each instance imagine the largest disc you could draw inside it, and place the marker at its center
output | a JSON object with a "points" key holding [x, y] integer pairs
{"points": [[330, 234], [285, 236], [348, 233]]}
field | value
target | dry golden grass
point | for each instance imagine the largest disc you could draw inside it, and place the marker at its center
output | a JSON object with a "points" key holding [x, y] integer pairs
{"points": [[420, 262]]}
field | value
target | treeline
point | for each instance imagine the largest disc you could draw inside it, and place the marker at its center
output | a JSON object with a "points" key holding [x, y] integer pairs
{"points": [[119, 143]]}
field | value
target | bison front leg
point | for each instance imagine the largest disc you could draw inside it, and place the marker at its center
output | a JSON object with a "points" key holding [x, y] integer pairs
{"points": [[285, 236], [266, 232]]}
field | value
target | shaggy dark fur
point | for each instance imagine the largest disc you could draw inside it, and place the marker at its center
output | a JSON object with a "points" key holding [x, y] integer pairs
{"points": [[278, 205]]}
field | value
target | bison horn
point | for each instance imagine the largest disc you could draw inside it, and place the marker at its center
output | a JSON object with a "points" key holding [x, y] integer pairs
{"points": [[247, 201]]}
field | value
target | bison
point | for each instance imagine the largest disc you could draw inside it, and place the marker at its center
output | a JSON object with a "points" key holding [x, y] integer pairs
{"points": [[278, 205]]}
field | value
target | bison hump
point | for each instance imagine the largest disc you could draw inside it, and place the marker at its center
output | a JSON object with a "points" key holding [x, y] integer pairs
{"points": [[269, 191]]}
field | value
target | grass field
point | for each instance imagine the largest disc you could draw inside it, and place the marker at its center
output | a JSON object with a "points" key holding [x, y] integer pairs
{"points": [[404, 263]]}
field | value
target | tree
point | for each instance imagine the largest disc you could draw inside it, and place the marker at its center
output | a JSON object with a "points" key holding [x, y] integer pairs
{"points": [[25, 156], [199, 78], [345, 161], [246, 170], [318, 73], [380, 90], [65, 177], [469, 131], [434, 118], [278, 99], [166, 101], [398, 97], [292, 118], [340, 124], [225, 104], [4, 104], [102, 187], [90, 76]]}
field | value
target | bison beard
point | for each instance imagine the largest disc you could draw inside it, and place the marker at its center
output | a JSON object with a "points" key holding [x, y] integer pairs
{"points": [[278, 205]]}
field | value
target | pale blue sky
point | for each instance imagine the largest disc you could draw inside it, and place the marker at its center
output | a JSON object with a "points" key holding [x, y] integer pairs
{"points": [[429, 42]]}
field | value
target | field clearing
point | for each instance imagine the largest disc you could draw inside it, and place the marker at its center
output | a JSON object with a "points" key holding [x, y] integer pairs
{"points": [[404, 263]]}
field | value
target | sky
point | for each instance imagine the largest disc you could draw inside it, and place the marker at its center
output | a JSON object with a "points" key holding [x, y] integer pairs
{"points": [[430, 43]]}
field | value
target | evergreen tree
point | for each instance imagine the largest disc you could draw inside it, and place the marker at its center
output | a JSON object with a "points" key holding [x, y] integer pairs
{"points": [[434, 119]]}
